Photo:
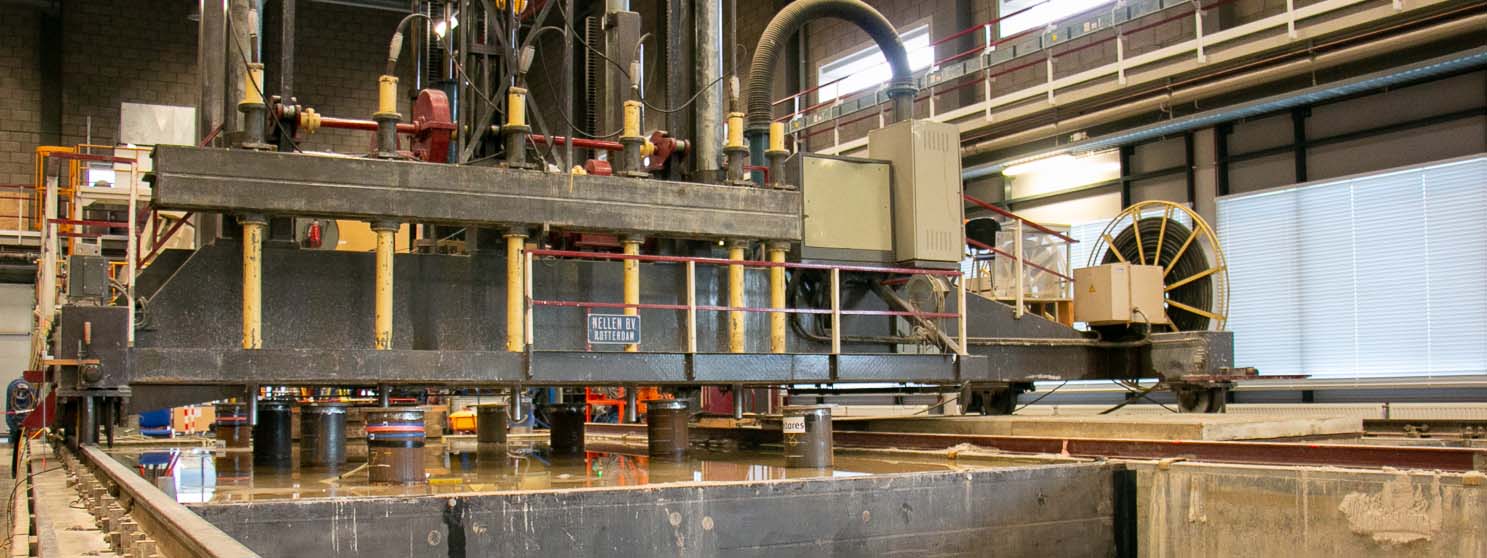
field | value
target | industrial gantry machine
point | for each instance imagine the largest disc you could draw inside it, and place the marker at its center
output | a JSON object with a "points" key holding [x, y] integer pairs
{"points": [[728, 259]]}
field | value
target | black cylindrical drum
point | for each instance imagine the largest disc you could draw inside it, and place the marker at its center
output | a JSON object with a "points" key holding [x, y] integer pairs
{"points": [[565, 421], [273, 438], [322, 434], [395, 446], [807, 430], [490, 423], [666, 427], [232, 425]]}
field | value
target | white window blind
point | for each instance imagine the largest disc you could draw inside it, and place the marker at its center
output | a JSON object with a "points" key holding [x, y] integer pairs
{"points": [[1363, 277]]}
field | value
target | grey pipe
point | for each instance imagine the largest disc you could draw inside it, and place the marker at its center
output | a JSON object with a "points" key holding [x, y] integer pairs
{"points": [[901, 89], [709, 41]]}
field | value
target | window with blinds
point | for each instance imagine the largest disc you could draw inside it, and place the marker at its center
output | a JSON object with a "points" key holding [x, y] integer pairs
{"points": [[1371, 276]]}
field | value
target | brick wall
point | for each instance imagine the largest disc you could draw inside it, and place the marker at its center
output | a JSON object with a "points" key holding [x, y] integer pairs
{"points": [[144, 51], [20, 87], [116, 51]]}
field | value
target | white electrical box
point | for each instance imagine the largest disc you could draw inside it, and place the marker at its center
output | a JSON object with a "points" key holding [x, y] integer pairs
{"points": [[1119, 293], [928, 211]]}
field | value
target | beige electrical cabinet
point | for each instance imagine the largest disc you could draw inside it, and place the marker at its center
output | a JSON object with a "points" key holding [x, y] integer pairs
{"points": [[848, 213], [928, 211], [1119, 293]]}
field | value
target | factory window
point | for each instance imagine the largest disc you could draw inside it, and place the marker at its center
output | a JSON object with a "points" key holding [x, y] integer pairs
{"points": [[1378, 275], [867, 68], [1021, 15]]}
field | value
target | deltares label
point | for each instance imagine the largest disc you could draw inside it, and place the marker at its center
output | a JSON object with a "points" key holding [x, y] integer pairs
{"points": [[794, 425]]}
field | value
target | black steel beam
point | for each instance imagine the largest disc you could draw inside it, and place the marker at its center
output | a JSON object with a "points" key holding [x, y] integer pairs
{"points": [[1192, 168], [1221, 154], [214, 366], [1224, 158], [1126, 151], [1298, 142], [1174, 355], [354, 188], [49, 54]]}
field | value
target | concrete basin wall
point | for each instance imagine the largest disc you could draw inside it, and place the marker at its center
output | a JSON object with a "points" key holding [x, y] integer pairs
{"points": [[1210, 510], [1047, 511]]}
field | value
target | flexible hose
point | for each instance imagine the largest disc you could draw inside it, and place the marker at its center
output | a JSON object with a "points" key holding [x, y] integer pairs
{"points": [[795, 15]]}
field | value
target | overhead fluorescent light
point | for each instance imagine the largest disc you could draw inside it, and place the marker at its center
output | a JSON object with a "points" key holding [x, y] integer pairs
{"points": [[1038, 165]]}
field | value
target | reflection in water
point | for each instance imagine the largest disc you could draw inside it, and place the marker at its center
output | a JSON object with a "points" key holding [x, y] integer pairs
{"points": [[216, 475]]}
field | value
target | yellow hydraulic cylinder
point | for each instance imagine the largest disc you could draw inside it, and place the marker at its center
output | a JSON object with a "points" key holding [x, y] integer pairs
{"points": [[387, 95], [777, 297], [515, 280], [736, 298], [776, 136], [632, 120], [253, 85], [253, 281], [383, 309], [735, 129], [632, 283], [516, 106]]}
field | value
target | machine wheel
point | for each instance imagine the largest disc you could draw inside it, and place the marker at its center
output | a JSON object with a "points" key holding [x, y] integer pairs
{"points": [[993, 401], [1202, 400]]}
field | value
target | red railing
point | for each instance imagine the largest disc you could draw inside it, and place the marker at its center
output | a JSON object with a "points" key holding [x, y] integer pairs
{"points": [[691, 307], [982, 74]]}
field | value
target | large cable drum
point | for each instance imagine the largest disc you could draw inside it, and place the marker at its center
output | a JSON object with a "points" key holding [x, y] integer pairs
{"points": [[1195, 277]]}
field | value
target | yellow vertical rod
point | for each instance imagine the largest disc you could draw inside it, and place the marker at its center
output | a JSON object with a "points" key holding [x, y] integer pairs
{"points": [[632, 282], [736, 297], [516, 316], [253, 226], [383, 309], [777, 297]]}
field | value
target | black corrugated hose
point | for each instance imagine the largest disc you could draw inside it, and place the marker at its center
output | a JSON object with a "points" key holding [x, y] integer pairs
{"points": [[795, 15]]}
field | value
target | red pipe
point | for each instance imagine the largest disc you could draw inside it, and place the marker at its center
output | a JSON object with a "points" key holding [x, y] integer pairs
{"points": [[367, 125], [580, 142]]}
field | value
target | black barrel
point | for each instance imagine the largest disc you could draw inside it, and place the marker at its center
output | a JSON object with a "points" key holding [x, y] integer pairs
{"points": [[807, 430], [565, 421], [395, 446], [666, 427], [273, 437], [232, 425], [490, 423], [322, 434]]}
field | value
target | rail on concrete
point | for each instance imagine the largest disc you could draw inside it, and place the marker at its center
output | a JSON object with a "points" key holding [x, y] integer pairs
{"points": [[177, 531]]}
